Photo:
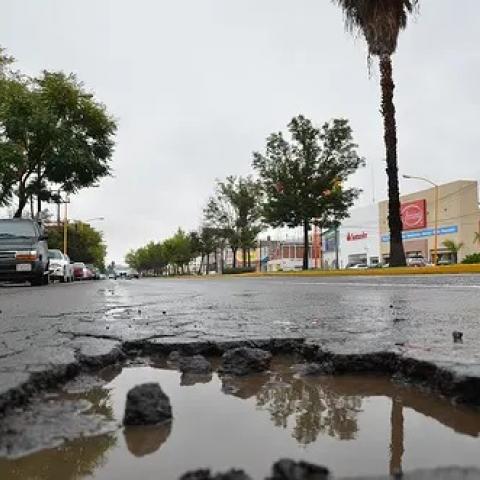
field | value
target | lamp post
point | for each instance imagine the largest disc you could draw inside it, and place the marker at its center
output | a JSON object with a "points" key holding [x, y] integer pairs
{"points": [[435, 251]]}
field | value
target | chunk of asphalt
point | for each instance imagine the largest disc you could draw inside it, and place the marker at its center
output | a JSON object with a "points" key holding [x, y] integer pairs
{"points": [[147, 404]]}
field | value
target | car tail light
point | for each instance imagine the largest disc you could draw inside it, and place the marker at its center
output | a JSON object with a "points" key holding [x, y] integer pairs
{"points": [[27, 256]]}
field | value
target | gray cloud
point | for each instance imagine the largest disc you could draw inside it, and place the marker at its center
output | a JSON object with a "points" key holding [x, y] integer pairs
{"points": [[197, 85]]}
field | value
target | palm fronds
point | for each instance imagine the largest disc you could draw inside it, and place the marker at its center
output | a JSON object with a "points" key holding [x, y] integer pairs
{"points": [[380, 21]]}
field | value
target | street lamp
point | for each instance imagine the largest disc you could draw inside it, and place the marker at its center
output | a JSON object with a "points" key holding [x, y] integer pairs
{"points": [[411, 177]]}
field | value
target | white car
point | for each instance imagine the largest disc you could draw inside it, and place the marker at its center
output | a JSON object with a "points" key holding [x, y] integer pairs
{"points": [[60, 267], [358, 266]]}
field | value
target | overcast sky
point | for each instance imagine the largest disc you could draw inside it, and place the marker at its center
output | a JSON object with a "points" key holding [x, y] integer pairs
{"points": [[197, 85]]}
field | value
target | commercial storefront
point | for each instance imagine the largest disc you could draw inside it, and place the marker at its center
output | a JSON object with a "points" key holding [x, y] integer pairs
{"points": [[364, 238], [458, 218], [358, 239]]}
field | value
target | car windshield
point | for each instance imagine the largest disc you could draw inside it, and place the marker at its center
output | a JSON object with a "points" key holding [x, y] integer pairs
{"points": [[55, 255], [16, 229]]}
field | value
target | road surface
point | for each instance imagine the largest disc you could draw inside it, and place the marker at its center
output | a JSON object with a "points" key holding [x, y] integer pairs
{"points": [[45, 328]]}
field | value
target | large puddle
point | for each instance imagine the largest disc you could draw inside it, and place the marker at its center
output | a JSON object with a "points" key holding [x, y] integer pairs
{"points": [[354, 425]]}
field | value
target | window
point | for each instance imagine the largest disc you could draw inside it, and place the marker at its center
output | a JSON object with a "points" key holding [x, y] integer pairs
{"points": [[16, 228]]}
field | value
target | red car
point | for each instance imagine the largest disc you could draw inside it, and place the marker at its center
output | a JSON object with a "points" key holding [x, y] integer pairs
{"points": [[79, 271]]}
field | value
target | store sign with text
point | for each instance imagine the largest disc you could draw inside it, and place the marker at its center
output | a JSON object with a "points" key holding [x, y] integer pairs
{"points": [[352, 237], [429, 232], [414, 214]]}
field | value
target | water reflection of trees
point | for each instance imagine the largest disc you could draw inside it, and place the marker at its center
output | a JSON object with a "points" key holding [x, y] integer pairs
{"points": [[74, 460], [315, 407]]}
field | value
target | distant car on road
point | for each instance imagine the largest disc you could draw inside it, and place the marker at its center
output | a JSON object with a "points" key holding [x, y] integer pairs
{"points": [[79, 270], [357, 266], [416, 261], [94, 271], [60, 266], [132, 273], [23, 252]]}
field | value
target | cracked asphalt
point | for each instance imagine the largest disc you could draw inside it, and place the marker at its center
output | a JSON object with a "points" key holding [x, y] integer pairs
{"points": [[52, 327]]}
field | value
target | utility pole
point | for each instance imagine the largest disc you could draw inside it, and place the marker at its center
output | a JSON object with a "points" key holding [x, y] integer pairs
{"points": [[65, 225]]}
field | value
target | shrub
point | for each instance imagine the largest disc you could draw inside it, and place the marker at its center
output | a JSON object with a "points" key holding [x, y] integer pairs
{"points": [[472, 258], [236, 270]]}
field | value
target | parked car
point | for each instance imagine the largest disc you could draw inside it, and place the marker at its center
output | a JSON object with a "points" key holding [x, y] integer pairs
{"points": [[60, 266], [23, 252], [79, 270], [445, 261], [416, 261], [94, 270], [87, 273], [132, 273], [358, 266], [112, 276]]}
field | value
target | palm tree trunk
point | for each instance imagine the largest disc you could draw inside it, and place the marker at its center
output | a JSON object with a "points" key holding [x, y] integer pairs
{"points": [[397, 252], [397, 437], [305, 244]]}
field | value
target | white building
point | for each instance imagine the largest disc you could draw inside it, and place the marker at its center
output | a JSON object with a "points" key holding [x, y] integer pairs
{"points": [[358, 239]]}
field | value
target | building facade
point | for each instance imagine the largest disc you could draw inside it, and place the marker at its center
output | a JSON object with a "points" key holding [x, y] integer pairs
{"points": [[458, 220]]}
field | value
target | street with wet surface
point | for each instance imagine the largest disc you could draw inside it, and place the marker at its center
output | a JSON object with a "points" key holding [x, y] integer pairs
{"points": [[48, 328]]}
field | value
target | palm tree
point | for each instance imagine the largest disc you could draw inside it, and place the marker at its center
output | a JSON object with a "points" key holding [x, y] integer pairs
{"points": [[381, 21], [453, 247]]}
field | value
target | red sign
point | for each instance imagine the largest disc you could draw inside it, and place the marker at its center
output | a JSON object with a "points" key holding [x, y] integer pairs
{"points": [[351, 237], [414, 214]]}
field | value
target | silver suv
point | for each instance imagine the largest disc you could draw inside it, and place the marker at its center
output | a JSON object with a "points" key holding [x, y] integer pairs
{"points": [[23, 252]]}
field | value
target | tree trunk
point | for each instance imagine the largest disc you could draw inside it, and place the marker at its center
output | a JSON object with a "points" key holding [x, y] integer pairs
{"points": [[397, 252], [22, 202], [249, 258], [305, 245], [234, 252], [244, 257], [201, 265], [208, 264]]}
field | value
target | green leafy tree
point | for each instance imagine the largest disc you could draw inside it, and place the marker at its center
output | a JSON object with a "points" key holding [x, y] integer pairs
{"points": [[52, 133], [178, 251], [235, 210], [150, 258], [380, 22], [85, 244], [203, 243], [453, 247], [304, 178]]}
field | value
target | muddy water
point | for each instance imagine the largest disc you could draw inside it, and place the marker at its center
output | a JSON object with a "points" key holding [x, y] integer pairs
{"points": [[355, 425]]}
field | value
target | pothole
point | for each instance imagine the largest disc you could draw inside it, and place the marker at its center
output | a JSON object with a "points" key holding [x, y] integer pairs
{"points": [[355, 425]]}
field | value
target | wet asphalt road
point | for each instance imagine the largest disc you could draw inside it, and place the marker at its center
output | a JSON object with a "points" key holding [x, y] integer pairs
{"points": [[44, 327]]}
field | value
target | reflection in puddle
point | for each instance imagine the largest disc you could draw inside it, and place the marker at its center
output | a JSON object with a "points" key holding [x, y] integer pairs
{"points": [[251, 422]]}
